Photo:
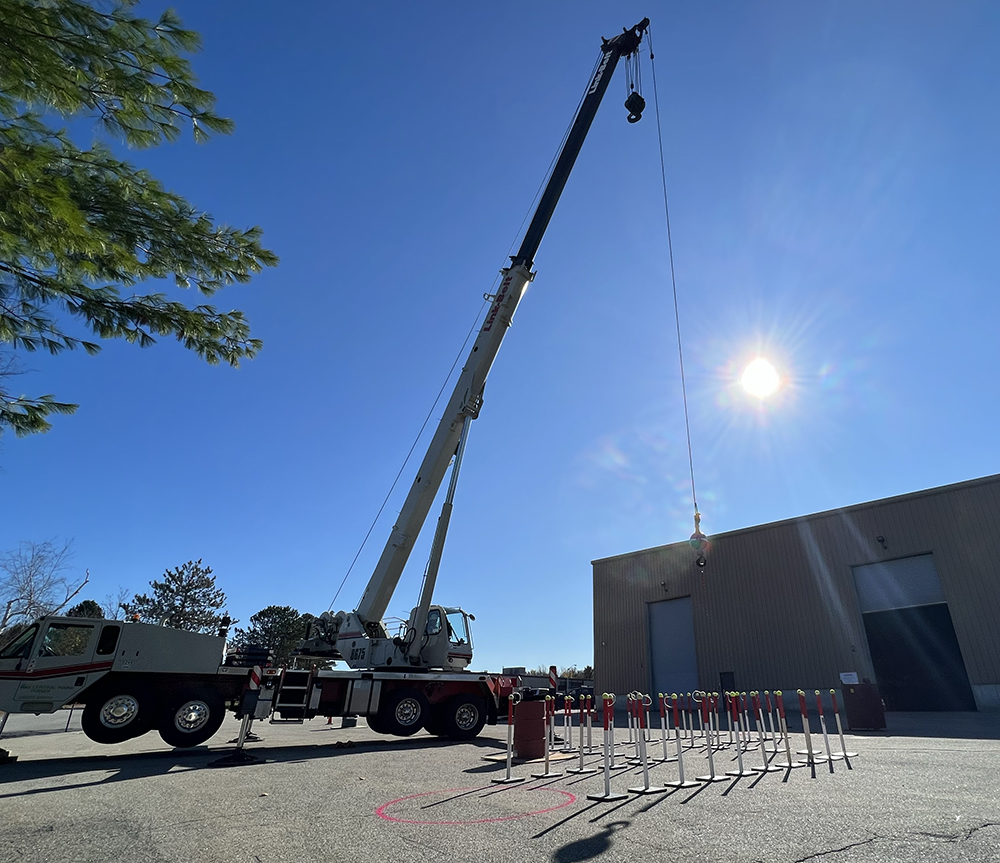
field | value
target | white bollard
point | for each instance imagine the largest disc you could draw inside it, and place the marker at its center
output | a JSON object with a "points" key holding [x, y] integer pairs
{"points": [[581, 768], [826, 739], [788, 763], [664, 727], [567, 724], [765, 767], [508, 779], [646, 787], [771, 722], [847, 756], [740, 719], [609, 731], [813, 756], [550, 718], [590, 716], [681, 782], [703, 699]]}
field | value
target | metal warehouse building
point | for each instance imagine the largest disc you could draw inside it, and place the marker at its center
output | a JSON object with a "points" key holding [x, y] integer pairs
{"points": [[903, 592]]}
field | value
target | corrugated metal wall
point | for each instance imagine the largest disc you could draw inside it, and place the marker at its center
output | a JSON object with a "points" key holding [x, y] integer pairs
{"points": [[776, 604]]}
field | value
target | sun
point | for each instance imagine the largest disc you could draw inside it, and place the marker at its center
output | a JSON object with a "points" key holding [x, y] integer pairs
{"points": [[759, 378]]}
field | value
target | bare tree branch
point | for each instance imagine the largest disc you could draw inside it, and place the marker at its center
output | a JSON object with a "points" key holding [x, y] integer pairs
{"points": [[33, 581]]}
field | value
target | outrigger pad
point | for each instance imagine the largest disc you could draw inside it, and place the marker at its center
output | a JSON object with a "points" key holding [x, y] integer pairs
{"points": [[236, 758], [6, 757]]}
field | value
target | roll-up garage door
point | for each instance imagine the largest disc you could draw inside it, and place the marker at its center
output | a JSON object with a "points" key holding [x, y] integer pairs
{"points": [[911, 638]]}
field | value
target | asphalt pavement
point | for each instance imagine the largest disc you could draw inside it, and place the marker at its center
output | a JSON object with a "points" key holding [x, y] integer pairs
{"points": [[925, 790]]}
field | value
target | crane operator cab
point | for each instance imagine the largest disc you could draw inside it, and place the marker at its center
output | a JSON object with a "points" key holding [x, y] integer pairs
{"points": [[447, 640]]}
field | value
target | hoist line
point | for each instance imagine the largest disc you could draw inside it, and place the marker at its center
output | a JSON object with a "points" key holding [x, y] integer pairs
{"points": [[673, 277], [416, 440]]}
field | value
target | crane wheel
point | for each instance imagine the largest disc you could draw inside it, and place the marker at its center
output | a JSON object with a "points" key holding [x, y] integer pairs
{"points": [[191, 717], [404, 712], [116, 715], [464, 716]]}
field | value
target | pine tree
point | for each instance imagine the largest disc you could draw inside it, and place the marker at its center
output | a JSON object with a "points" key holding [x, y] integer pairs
{"points": [[78, 225], [279, 628], [186, 598], [87, 608]]}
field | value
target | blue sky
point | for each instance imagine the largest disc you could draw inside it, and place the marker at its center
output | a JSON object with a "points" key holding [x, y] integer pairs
{"points": [[834, 197]]}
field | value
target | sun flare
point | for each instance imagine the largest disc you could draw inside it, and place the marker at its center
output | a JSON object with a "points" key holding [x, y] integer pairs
{"points": [[759, 378]]}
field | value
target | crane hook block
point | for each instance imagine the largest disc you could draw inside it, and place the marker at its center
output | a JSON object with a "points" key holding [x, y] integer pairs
{"points": [[635, 105]]}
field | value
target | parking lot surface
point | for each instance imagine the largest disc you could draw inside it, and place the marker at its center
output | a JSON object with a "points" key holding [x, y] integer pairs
{"points": [[926, 790]]}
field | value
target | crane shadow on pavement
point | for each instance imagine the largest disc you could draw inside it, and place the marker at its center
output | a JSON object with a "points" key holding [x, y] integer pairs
{"points": [[590, 847], [130, 766]]}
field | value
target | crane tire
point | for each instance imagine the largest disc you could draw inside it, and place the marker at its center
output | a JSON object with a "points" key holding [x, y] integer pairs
{"points": [[117, 714], [375, 723], [191, 717], [464, 716], [404, 712]]}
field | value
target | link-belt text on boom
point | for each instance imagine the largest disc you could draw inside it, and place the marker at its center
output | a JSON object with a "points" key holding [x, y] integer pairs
{"points": [[496, 306]]}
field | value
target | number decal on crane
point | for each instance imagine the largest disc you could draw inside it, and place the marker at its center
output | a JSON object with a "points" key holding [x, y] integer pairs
{"points": [[357, 653]]}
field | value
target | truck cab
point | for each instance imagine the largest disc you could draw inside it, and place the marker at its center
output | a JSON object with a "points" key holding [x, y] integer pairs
{"points": [[54, 660], [447, 638]]}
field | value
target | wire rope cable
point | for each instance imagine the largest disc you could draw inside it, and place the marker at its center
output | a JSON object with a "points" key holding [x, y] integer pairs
{"points": [[673, 279]]}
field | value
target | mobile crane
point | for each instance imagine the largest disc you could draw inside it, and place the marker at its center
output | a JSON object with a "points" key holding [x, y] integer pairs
{"points": [[132, 677]]}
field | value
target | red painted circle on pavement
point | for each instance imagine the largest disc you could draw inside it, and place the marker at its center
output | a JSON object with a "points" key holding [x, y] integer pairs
{"points": [[383, 812]]}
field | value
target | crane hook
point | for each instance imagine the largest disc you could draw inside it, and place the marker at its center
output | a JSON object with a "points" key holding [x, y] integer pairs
{"points": [[635, 105]]}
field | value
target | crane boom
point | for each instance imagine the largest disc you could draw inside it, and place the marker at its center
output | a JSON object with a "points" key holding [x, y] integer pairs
{"points": [[467, 397]]}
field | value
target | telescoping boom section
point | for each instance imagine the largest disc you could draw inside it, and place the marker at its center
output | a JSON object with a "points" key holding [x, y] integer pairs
{"points": [[360, 637]]}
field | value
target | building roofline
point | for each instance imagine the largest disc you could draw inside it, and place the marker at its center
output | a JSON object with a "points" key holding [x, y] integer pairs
{"points": [[840, 510]]}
